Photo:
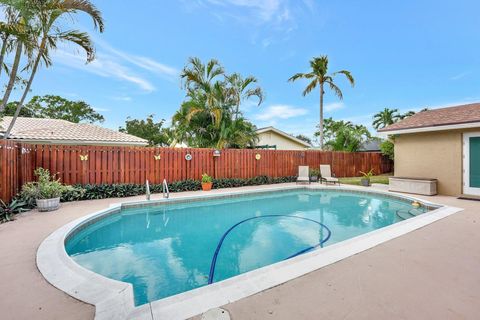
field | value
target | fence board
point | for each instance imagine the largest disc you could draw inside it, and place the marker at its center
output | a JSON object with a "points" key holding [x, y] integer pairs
{"points": [[135, 165]]}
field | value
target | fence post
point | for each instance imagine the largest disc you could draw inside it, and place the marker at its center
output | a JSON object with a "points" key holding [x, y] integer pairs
{"points": [[19, 167]]}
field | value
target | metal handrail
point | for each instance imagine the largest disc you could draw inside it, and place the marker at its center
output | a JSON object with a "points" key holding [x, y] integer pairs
{"points": [[147, 190], [166, 193]]}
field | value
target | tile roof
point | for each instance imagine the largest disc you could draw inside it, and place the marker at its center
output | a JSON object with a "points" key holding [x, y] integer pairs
{"points": [[55, 130], [463, 114]]}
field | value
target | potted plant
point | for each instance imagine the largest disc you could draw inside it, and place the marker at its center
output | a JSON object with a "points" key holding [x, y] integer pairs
{"points": [[314, 175], [365, 181], [46, 191], [206, 182]]}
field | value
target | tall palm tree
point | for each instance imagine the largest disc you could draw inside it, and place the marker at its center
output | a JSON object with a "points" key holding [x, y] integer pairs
{"points": [[319, 76], [385, 118], [24, 40], [240, 91], [50, 33]]}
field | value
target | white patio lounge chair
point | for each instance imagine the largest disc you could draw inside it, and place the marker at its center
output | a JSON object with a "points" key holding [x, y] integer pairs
{"points": [[326, 174], [303, 174]]}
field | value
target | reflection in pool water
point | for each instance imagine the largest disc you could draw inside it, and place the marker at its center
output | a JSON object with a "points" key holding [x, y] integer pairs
{"points": [[165, 250]]}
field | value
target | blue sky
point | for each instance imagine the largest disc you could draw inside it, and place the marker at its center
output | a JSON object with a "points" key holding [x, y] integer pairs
{"points": [[403, 54]]}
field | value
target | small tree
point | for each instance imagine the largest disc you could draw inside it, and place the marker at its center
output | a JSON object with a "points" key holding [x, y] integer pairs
{"points": [[147, 129], [304, 138], [387, 148]]}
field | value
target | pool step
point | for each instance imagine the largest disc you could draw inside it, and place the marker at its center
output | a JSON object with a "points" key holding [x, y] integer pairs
{"points": [[407, 214]]}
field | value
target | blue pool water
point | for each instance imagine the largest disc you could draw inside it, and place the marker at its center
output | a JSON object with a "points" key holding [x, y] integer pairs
{"points": [[169, 249]]}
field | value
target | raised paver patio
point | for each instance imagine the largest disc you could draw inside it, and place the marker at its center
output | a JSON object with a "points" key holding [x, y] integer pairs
{"points": [[429, 273]]}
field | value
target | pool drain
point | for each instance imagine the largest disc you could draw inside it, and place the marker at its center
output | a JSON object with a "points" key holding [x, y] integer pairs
{"points": [[216, 314]]}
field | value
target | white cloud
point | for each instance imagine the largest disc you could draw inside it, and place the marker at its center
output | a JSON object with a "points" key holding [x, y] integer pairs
{"points": [[105, 66], [145, 63], [101, 109], [113, 63], [280, 112], [122, 98], [264, 9], [460, 75], [334, 106]]}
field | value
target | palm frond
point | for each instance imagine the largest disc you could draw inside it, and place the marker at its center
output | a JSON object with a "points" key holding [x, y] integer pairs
{"points": [[312, 85], [297, 76], [336, 90], [82, 39], [85, 6], [348, 75]]}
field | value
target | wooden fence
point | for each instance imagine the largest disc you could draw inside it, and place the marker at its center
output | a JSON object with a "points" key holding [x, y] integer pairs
{"points": [[108, 165]]}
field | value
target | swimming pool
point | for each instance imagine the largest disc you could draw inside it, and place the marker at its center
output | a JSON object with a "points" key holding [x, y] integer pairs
{"points": [[175, 247]]}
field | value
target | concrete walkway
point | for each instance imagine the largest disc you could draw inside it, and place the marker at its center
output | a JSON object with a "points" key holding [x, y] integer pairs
{"points": [[430, 273]]}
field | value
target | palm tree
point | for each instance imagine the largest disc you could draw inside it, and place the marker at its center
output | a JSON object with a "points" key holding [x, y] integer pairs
{"points": [[50, 34], [239, 90], [210, 115], [24, 41], [385, 118], [319, 77]]}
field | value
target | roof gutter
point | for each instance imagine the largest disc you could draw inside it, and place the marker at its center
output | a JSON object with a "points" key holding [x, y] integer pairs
{"points": [[469, 125], [82, 142]]}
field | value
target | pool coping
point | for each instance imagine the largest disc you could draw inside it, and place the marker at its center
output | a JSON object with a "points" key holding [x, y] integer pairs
{"points": [[114, 299]]}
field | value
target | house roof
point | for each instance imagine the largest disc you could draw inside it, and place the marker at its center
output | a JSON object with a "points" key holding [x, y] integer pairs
{"points": [[39, 130], [284, 134], [371, 145], [458, 117]]}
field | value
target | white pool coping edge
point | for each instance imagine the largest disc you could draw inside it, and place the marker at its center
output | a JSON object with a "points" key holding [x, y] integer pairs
{"points": [[114, 299]]}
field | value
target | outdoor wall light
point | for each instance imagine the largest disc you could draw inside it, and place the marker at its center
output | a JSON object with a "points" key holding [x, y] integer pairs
{"points": [[188, 157], [258, 156], [216, 153]]}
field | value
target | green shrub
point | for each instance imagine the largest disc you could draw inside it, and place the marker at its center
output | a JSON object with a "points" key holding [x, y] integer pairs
{"points": [[206, 178], [315, 172], [46, 187], [8, 210], [387, 148], [103, 191]]}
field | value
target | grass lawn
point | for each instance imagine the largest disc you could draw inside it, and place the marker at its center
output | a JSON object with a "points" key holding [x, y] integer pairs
{"points": [[356, 180]]}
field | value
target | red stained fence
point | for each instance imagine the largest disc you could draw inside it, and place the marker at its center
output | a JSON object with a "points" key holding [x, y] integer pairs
{"points": [[108, 165]]}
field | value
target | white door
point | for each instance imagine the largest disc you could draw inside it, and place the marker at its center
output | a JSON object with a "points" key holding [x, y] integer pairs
{"points": [[471, 163]]}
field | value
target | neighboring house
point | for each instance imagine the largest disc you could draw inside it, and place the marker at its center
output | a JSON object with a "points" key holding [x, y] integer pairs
{"points": [[55, 131], [272, 138], [442, 144], [372, 145]]}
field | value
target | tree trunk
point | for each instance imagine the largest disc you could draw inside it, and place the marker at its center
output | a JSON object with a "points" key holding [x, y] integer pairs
{"points": [[321, 117], [13, 76], [27, 88], [2, 52]]}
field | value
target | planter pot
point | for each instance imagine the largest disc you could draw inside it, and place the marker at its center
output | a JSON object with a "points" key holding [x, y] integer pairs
{"points": [[207, 186], [365, 182], [48, 204], [313, 178]]}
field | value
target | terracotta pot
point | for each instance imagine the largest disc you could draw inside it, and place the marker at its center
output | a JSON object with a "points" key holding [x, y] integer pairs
{"points": [[207, 186], [48, 204]]}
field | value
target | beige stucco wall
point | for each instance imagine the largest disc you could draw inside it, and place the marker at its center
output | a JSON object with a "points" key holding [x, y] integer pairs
{"points": [[282, 143], [432, 155]]}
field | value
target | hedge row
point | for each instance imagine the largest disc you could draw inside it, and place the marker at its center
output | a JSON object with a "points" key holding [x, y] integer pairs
{"points": [[103, 191]]}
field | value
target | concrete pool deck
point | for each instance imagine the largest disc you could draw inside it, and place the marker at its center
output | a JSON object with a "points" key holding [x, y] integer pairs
{"points": [[430, 272]]}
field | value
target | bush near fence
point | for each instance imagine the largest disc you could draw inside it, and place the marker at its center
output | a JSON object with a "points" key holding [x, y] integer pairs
{"points": [[100, 165]]}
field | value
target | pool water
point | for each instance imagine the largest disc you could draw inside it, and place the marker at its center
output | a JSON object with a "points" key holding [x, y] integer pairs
{"points": [[168, 249]]}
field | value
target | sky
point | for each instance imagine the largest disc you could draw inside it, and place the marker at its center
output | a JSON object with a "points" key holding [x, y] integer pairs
{"points": [[406, 54]]}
